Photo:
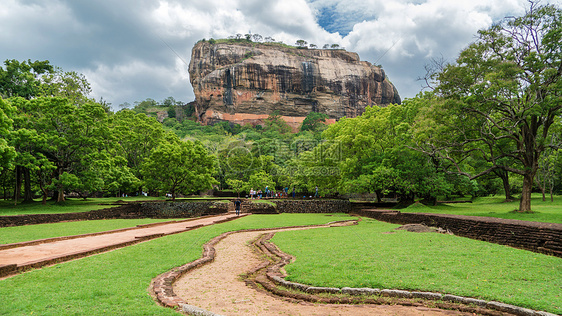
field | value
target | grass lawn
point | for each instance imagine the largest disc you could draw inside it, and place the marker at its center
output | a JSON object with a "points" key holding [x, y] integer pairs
{"points": [[548, 212], [32, 232], [365, 256], [116, 282]]}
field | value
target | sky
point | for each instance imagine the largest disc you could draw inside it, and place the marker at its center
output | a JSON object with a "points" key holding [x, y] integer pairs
{"points": [[131, 50]]}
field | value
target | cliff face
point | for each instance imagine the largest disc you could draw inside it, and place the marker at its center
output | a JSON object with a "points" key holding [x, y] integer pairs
{"points": [[244, 83]]}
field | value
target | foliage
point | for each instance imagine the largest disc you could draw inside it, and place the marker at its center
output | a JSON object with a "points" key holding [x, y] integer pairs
{"points": [[501, 98], [23, 79], [7, 152], [179, 167], [314, 121]]}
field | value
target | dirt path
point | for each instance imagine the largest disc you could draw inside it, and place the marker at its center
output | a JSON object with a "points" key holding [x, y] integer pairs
{"points": [[34, 256], [218, 288]]}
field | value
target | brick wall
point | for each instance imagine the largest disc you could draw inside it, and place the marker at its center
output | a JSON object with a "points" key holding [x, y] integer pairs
{"points": [[534, 236], [182, 209], [313, 206], [165, 209], [123, 211]]}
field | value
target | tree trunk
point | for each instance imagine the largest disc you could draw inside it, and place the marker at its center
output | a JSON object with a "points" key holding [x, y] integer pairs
{"points": [[378, 193], [541, 187], [504, 176], [60, 196], [17, 189], [525, 203], [27, 193], [60, 191]]}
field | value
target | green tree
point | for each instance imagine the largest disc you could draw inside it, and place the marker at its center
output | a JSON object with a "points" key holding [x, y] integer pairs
{"points": [[135, 136], [506, 87], [54, 129], [371, 152], [7, 152], [301, 43], [314, 121], [70, 85], [275, 123], [23, 79], [179, 167], [236, 185], [260, 180]]}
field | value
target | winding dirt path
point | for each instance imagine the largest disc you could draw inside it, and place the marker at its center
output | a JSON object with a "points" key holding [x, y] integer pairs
{"points": [[217, 287]]}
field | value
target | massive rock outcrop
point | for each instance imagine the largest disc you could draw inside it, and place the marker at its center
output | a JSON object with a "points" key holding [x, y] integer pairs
{"points": [[244, 82]]}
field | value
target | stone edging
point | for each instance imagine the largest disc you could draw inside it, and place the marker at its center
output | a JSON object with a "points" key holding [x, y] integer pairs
{"points": [[273, 274], [53, 239], [10, 269], [162, 286]]}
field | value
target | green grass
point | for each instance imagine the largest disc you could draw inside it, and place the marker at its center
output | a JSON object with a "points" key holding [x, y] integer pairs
{"points": [[116, 282], [548, 212], [363, 256], [10, 235], [69, 206]]}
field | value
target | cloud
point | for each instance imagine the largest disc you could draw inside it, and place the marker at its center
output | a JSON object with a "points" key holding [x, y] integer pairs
{"points": [[406, 35], [128, 49]]}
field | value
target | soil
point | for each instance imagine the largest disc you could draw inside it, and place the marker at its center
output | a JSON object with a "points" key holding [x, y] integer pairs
{"points": [[219, 288]]}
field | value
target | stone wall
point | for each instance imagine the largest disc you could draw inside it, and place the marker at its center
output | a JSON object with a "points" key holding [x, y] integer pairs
{"points": [[123, 211], [313, 206], [534, 236], [165, 209], [182, 209]]}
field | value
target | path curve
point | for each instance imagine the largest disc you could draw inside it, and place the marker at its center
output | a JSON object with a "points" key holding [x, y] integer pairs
{"points": [[218, 287]]}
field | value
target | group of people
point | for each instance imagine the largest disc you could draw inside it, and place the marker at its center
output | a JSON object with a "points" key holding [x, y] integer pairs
{"points": [[268, 193]]}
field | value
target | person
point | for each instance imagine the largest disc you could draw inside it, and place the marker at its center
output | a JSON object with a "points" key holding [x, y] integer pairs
{"points": [[237, 206], [293, 192], [316, 194], [286, 191]]}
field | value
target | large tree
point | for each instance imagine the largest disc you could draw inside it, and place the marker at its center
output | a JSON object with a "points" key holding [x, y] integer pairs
{"points": [[179, 167], [7, 152], [52, 133], [502, 96]]}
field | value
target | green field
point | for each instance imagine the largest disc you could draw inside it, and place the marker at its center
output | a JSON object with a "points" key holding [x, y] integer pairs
{"points": [[32, 232], [367, 256], [115, 282], [548, 212]]}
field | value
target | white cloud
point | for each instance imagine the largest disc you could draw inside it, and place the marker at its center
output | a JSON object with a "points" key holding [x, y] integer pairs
{"points": [[118, 46]]}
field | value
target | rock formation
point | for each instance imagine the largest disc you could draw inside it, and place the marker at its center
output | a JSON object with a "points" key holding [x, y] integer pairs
{"points": [[244, 82]]}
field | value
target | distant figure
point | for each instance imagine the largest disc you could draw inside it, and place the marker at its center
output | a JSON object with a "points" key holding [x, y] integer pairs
{"points": [[316, 194], [293, 192], [237, 206]]}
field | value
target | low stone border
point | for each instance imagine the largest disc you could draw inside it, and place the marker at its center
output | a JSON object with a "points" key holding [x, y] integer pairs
{"points": [[162, 286], [53, 239], [273, 274], [7, 270], [538, 237]]}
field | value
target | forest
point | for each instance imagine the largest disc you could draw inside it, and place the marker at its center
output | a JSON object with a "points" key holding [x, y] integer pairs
{"points": [[487, 123]]}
